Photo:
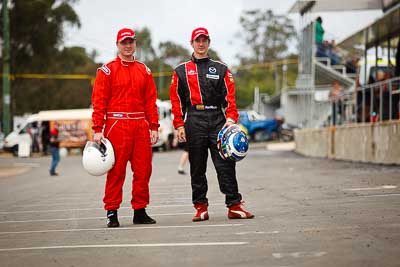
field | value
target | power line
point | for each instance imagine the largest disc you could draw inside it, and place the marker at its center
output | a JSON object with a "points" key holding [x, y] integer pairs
{"points": [[268, 64], [155, 74]]}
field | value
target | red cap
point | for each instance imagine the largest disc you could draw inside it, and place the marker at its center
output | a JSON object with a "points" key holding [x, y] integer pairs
{"points": [[125, 33], [54, 132], [199, 31]]}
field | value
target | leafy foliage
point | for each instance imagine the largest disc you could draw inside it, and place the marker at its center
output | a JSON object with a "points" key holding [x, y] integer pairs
{"points": [[36, 42], [37, 47], [267, 37], [144, 50]]}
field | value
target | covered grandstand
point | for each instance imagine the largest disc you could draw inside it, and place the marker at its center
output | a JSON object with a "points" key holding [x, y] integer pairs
{"points": [[350, 114]]}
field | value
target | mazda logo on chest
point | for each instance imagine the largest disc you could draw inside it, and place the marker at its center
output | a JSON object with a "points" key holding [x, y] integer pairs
{"points": [[212, 70]]}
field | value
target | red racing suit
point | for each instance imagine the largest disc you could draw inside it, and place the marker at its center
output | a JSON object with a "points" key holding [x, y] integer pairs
{"points": [[124, 108]]}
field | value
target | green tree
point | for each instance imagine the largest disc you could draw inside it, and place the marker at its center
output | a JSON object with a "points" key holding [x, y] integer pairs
{"points": [[37, 32], [213, 54], [267, 37], [32, 95], [173, 53], [144, 51], [266, 34], [169, 54]]}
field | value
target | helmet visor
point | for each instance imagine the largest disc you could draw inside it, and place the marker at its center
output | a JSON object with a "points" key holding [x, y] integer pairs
{"points": [[102, 148]]}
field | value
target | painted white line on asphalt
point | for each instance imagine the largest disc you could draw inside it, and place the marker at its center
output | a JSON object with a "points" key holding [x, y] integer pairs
{"points": [[156, 187], [354, 227], [92, 218], [168, 193], [257, 233], [164, 201], [27, 164], [130, 246], [299, 254], [86, 209], [72, 198], [94, 199], [381, 195], [177, 198], [371, 188], [54, 204], [121, 228], [172, 202]]}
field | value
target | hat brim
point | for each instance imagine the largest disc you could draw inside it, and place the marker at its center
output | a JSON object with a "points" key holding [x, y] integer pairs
{"points": [[126, 37], [200, 34]]}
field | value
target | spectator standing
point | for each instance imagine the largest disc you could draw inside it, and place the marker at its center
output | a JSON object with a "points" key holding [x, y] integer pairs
{"points": [[45, 137], [185, 154], [337, 100], [352, 65], [319, 38], [34, 132], [54, 150]]}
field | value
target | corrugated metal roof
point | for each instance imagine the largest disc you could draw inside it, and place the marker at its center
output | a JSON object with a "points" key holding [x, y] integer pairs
{"points": [[302, 6], [377, 32]]}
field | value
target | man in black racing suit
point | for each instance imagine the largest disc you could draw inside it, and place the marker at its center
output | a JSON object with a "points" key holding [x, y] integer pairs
{"points": [[203, 101]]}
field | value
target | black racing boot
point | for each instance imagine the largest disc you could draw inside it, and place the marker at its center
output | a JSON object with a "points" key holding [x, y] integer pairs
{"points": [[112, 218], [140, 217]]}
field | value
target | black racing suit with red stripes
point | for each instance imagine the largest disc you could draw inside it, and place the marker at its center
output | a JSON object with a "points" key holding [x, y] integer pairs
{"points": [[203, 97]]}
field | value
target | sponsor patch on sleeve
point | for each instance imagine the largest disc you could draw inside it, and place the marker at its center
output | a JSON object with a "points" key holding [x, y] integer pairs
{"points": [[148, 70], [230, 76], [105, 69]]}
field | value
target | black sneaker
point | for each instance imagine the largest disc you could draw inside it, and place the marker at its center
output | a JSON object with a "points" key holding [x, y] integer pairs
{"points": [[112, 218], [182, 172], [140, 217]]}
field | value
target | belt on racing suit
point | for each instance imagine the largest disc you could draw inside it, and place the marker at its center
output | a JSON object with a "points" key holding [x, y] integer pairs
{"points": [[204, 107], [126, 115]]}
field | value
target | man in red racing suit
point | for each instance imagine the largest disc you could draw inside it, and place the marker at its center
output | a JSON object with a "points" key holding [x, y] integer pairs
{"points": [[125, 112]]}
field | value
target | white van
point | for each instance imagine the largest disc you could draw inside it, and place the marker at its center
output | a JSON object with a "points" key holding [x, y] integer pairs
{"points": [[166, 130], [74, 129]]}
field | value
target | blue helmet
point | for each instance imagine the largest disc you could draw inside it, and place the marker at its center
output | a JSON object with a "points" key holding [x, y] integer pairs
{"points": [[232, 143]]}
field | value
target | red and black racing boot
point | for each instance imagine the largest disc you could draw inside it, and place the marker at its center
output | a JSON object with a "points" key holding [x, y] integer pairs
{"points": [[236, 211], [202, 212]]}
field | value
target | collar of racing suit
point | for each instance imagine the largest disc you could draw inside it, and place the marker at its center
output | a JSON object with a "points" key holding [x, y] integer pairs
{"points": [[126, 62], [200, 60]]}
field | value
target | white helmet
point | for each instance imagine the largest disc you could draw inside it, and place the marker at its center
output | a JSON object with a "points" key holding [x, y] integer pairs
{"points": [[98, 159]]}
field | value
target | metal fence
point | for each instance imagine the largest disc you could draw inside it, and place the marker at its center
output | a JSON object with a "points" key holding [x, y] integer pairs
{"points": [[375, 102], [305, 107]]}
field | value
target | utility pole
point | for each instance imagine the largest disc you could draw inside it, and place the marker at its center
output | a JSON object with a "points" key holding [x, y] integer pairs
{"points": [[284, 75], [6, 70], [161, 77], [256, 105], [277, 79]]}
